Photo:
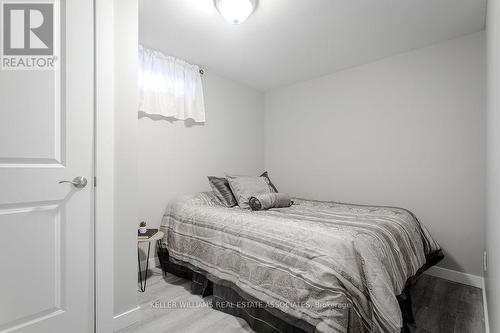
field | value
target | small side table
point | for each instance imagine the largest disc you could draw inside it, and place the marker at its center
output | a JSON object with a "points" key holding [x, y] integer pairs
{"points": [[152, 239]]}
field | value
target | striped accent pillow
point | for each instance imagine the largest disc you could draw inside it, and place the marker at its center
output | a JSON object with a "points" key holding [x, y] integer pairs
{"points": [[221, 189]]}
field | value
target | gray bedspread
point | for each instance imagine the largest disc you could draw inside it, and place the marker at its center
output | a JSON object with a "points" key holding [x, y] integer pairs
{"points": [[336, 266]]}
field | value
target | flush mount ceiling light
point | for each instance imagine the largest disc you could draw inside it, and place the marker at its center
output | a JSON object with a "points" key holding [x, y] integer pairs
{"points": [[235, 11]]}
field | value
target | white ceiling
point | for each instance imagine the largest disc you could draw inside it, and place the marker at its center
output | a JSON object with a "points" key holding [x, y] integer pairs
{"points": [[286, 41]]}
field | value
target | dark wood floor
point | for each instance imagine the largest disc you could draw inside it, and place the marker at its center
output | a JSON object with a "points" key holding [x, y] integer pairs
{"points": [[440, 306]]}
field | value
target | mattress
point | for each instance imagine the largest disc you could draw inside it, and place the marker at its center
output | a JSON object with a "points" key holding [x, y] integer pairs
{"points": [[338, 267]]}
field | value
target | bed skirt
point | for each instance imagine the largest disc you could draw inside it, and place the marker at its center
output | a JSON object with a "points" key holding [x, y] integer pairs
{"points": [[228, 298]]}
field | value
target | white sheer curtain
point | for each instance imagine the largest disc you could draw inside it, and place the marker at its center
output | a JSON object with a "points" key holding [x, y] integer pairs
{"points": [[169, 87]]}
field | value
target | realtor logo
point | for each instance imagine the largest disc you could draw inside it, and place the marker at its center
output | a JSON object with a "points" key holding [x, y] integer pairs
{"points": [[27, 35]]}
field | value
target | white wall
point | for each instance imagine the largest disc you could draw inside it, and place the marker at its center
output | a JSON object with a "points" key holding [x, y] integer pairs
{"points": [[406, 131], [125, 156], [492, 275], [175, 157]]}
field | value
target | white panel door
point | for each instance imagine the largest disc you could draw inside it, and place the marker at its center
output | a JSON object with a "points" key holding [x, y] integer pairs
{"points": [[46, 136]]}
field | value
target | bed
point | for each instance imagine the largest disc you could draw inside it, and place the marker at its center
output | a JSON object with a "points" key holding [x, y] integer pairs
{"points": [[312, 267]]}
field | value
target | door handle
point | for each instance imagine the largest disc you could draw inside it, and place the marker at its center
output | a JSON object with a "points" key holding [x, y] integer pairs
{"points": [[78, 182]]}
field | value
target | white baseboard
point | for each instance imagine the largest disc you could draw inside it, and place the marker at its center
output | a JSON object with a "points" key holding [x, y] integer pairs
{"points": [[130, 317], [485, 308], [455, 276], [126, 319]]}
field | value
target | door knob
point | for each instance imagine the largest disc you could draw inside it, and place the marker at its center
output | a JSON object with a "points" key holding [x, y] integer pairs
{"points": [[78, 182]]}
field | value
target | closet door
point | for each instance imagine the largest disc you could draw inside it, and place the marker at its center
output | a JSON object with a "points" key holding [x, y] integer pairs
{"points": [[46, 138]]}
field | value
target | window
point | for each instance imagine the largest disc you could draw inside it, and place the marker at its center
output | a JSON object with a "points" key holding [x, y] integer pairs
{"points": [[169, 87]]}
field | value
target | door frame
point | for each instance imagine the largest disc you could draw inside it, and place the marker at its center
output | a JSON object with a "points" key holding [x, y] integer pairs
{"points": [[103, 165], [115, 217]]}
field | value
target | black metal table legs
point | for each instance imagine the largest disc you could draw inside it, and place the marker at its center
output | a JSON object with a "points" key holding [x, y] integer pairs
{"points": [[142, 283]]}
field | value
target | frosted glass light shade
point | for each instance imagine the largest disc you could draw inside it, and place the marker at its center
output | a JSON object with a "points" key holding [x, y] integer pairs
{"points": [[235, 11]]}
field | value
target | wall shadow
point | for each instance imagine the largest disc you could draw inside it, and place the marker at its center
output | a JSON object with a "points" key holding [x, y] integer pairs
{"points": [[156, 117]]}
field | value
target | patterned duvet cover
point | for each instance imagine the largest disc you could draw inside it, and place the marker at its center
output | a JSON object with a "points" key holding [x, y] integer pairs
{"points": [[336, 266]]}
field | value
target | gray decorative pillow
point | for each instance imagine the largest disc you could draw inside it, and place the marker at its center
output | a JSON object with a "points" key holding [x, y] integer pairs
{"points": [[265, 174], [270, 200], [245, 187], [221, 189]]}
